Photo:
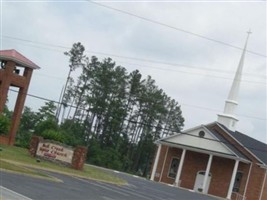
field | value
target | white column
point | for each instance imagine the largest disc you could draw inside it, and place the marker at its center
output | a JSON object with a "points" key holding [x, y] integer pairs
{"points": [[230, 190], [207, 175], [155, 164], [248, 177], [178, 175]]}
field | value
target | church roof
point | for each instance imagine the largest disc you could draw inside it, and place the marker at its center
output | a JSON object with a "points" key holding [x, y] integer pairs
{"points": [[215, 142], [259, 149], [229, 145], [18, 58]]}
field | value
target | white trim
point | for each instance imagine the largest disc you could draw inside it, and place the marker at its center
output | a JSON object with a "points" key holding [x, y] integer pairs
{"points": [[205, 151], [194, 128], [228, 116], [239, 143], [155, 163], [221, 142], [164, 162], [245, 191], [207, 174], [182, 132], [231, 186], [215, 139], [264, 180], [180, 167], [231, 101]]}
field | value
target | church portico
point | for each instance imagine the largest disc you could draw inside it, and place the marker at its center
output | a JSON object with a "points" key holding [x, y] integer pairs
{"points": [[202, 172]]}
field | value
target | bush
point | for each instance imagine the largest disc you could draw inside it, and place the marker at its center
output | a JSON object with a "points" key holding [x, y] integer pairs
{"points": [[53, 135], [106, 157], [23, 139], [48, 124], [4, 124]]}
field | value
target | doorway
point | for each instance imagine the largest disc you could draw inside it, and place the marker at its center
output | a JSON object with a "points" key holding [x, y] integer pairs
{"points": [[198, 187]]}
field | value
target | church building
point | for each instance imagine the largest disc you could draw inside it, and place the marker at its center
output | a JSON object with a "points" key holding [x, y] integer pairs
{"points": [[215, 159]]}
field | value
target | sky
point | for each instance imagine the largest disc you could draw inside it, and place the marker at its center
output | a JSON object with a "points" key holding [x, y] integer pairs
{"points": [[190, 48]]}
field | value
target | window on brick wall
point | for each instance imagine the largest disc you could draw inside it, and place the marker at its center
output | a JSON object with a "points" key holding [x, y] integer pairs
{"points": [[237, 183], [173, 167]]}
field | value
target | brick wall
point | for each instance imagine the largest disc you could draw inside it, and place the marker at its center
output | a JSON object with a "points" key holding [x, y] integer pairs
{"points": [[221, 171], [257, 173], [34, 144], [160, 163], [172, 153], [264, 194], [255, 182], [79, 157]]}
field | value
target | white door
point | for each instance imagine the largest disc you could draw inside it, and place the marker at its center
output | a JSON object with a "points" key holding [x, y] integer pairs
{"points": [[198, 187]]}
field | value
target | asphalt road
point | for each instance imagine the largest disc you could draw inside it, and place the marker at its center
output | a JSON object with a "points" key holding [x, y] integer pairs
{"points": [[80, 189]]}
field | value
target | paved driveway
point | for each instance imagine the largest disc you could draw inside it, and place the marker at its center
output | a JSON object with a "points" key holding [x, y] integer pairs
{"points": [[80, 189]]}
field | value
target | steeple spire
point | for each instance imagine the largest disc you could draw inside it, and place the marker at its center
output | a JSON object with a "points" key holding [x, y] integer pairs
{"points": [[228, 118]]}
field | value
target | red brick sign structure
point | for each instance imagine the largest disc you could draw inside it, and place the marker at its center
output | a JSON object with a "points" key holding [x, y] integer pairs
{"points": [[16, 71], [58, 153]]}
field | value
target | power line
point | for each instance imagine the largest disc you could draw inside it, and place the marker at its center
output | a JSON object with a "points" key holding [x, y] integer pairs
{"points": [[158, 68], [141, 59], [217, 110], [172, 27], [195, 73], [58, 102], [49, 76], [141, 123]]}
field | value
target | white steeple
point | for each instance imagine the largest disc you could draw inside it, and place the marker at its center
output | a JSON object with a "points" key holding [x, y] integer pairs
{"points": [[228, 118]]}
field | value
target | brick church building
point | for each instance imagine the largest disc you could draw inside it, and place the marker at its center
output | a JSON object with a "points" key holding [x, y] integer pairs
{"points": [[215, 159]]}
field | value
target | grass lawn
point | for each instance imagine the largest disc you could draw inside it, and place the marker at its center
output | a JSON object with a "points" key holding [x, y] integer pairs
{"points": [[11, 167], [18, 159]]}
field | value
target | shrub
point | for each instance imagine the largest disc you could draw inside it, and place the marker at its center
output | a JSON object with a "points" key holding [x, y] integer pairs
{"points": [[23, 139], [4, 124], [53, 135], [48, 124]]}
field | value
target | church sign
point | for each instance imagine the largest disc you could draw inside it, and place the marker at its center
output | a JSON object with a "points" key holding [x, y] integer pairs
{"points": [[58, 153], [54, 151]]}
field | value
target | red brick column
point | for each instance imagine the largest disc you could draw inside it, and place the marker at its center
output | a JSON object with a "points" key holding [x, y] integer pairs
{"points": [[34, 144], [79, 157], [7, 74], [19, 105], [4, 139]]}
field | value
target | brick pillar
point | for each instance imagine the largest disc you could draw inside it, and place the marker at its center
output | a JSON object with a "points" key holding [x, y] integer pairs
{"points": [[4, 139], [7, 74], [19, 106], [79, 157], [34, 144]]}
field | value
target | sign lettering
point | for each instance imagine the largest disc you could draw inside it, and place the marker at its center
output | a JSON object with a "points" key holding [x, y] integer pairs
{"points": [[54, 151]]}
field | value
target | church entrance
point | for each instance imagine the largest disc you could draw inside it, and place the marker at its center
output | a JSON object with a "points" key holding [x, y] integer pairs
{"points": [[198, 187]]}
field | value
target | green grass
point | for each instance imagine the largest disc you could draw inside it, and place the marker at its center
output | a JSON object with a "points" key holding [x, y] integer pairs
{"points": [[19, 157], [9, 167]]}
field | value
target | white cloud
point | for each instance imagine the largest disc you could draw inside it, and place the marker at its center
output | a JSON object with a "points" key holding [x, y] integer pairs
{"points": [[104, 30]]}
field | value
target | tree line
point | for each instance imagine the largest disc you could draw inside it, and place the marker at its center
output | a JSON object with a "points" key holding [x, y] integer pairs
{"points": [[118, 115]]}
